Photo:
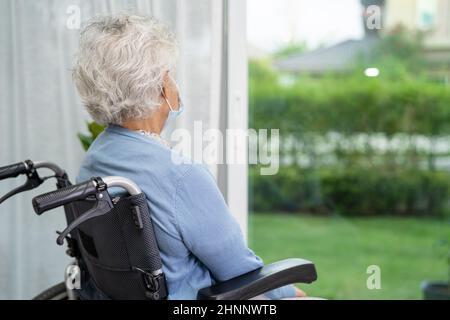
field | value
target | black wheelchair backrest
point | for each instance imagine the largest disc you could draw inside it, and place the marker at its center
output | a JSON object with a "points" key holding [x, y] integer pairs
{"points": [[116, 248]]}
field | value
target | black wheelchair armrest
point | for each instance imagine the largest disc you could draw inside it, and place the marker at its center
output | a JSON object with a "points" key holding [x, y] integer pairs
{"points": [[261, 280]]}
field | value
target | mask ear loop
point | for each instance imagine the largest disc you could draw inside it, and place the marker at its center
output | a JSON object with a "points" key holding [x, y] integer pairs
{"points": [[178, 91], [178, 94], [163, 93], [167, 101]]}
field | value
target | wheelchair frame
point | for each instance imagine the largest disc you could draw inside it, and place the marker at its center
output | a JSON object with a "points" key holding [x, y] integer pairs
{"points": [[243, 287]]}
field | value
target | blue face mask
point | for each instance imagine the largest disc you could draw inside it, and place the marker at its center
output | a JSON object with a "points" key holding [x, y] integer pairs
{"points": [[173, 114]]}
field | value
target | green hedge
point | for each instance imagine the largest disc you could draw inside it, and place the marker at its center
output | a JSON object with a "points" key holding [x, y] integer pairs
{"points": [[394, 183], [352, 106], [351, 191]]}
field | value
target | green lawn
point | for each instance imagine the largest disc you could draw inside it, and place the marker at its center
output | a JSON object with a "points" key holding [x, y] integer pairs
{"points": [[406, 250]]}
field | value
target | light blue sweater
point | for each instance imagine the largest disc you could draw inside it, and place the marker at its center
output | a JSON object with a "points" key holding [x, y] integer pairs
{"points": [[199, 240]]}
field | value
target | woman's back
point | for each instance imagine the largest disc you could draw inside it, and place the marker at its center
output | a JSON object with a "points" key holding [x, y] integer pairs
{"points": [[200, 242]]}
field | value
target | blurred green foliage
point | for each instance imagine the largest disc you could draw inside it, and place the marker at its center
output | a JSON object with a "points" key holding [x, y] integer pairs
{"points": [[355, 178], [354, 104], [94, 130], [400, 54], [353, 191], [292, 47]]}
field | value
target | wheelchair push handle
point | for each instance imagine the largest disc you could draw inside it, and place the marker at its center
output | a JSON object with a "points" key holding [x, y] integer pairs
{"points": [[81, 191], [14, 170], [95, 187], [29, 168], [54, 199]]}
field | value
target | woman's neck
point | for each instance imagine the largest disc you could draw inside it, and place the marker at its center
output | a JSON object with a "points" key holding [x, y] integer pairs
{"points": [[152, 124]]}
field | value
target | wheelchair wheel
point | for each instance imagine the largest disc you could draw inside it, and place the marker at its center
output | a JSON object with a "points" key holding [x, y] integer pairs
{"points": [[57, 292]]}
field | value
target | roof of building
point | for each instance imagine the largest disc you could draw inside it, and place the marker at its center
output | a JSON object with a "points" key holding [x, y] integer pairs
{"points": [[335, 58]]}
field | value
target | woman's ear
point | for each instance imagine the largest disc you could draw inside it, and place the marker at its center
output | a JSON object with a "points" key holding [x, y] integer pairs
{"points": [[170, 91], [165, 84]]}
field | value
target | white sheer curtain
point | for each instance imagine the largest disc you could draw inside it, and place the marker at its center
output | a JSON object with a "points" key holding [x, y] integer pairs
{"points": [[40, 113]]}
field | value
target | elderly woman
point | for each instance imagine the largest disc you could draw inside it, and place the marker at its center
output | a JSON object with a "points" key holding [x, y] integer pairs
{"points": [[124, 78]]}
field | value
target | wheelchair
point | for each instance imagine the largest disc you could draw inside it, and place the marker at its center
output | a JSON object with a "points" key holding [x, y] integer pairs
{"points": [[29, 169], [111, 239]]}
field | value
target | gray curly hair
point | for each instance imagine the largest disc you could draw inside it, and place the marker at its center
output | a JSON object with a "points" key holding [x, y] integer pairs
{"points": [[120, 66]]}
